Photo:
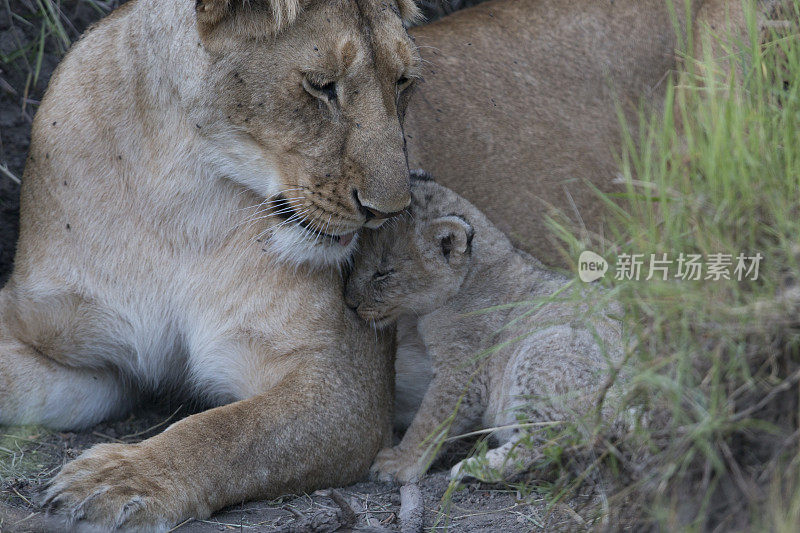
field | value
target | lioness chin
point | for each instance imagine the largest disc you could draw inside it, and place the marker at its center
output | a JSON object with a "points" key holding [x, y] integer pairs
{"points": [[198, 170]]}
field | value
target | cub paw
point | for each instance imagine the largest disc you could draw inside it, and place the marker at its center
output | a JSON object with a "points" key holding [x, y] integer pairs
{"points": [[394, 464], [115, 486], [460, 472]]}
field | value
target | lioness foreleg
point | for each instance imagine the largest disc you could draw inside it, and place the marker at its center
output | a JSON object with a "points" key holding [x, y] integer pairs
{"points": [[317, 427]]}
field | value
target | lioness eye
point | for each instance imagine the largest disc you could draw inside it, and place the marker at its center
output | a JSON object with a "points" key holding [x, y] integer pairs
{"points": [[323, 92], [403, 82]]}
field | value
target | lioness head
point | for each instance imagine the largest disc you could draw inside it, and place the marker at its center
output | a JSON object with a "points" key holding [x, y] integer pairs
{"points": [[308, 98], [416, 263]]}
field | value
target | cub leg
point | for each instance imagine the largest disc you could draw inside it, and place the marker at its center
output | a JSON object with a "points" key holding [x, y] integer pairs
{"points": [[409, 460], [35, 389]]}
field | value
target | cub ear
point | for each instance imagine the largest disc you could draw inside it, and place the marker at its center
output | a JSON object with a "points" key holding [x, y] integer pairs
{"points": [[250, 18], [452, 234]]}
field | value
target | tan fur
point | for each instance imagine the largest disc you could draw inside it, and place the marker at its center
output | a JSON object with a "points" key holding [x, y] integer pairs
{"points": [[518, 108], [437, 270], [158, 250]]}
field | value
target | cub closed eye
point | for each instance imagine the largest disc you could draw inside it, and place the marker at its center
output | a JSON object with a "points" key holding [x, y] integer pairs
{"points": [[324, 91], [379, 275]]}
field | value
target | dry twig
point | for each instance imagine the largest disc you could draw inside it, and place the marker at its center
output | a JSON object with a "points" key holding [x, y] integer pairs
{"points": [[412, 509]]}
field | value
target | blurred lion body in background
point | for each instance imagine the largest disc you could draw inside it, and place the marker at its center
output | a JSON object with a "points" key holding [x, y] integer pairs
{"points": [[520, 108]]}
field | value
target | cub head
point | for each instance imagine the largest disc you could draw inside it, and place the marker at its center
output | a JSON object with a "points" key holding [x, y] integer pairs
{"points": [[415, 263], [306, 99]]}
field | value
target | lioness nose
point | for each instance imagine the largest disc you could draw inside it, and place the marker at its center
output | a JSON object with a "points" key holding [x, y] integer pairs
{"points": [[372, 213]]}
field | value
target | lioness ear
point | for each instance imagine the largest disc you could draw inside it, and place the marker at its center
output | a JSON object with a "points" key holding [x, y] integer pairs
{"points": [[452, 234], [251, 18]]}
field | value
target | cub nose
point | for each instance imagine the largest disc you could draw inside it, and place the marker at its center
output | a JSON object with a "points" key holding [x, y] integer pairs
{"points": [[370, 213]]}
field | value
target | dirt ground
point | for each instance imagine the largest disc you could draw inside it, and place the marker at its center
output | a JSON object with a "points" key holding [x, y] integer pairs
{"points": [[31, 456]]}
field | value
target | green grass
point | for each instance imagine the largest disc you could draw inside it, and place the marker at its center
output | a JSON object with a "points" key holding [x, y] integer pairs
{"points": [[716, 362], [22, 457], [713, 366], [46, 28]]}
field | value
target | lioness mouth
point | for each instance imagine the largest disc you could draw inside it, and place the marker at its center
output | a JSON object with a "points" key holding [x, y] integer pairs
{"points": [[346, 239], [342, 240], [284, 210]]}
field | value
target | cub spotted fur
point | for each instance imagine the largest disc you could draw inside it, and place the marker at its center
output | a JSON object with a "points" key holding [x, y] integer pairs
{"points": [[435, 270]]}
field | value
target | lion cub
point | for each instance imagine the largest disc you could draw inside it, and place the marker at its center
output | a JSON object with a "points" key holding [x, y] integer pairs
{"points": [[436, 273]]}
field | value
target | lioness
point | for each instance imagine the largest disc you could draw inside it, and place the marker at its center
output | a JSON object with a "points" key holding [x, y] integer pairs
{"points": [[197, 172], [440, 269]]}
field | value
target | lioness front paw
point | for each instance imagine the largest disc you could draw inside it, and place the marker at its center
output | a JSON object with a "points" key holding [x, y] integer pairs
{"points": [[394, 464], [115, 486]]}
